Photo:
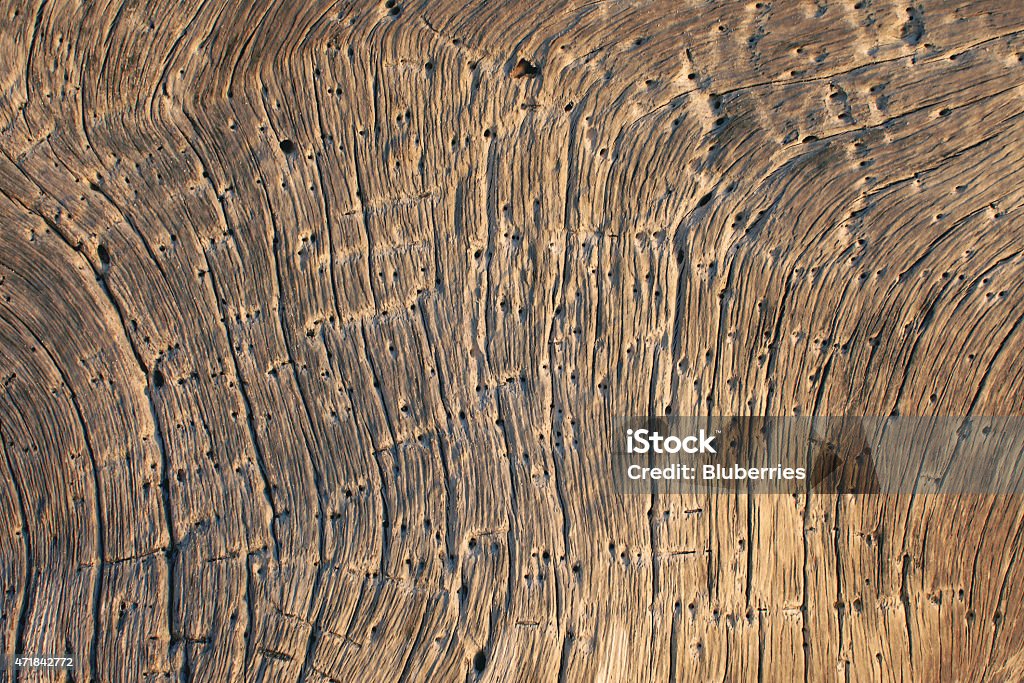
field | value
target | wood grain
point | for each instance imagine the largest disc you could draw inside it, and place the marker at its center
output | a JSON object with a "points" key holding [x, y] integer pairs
{"points": [[314, 316]]}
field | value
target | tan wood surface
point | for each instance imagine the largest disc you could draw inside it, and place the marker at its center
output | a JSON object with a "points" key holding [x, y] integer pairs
{"points": [[314, 316]]}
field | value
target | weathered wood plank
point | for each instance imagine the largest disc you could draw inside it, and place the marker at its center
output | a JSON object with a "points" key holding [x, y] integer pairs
{"points": [[315, 319]]}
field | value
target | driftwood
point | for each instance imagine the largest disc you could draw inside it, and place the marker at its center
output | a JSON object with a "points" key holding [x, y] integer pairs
{"points": [[314, 316]]}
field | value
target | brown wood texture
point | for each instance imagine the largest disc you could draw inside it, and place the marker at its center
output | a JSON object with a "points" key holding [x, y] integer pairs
{"points": [[314, 317]]}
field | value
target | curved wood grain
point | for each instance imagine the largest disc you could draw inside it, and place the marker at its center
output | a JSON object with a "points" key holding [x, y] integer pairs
{"points": [[313, 318]]}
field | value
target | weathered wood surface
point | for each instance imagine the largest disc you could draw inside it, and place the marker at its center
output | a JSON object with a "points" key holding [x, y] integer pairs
{"points": [[314, 316]]}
